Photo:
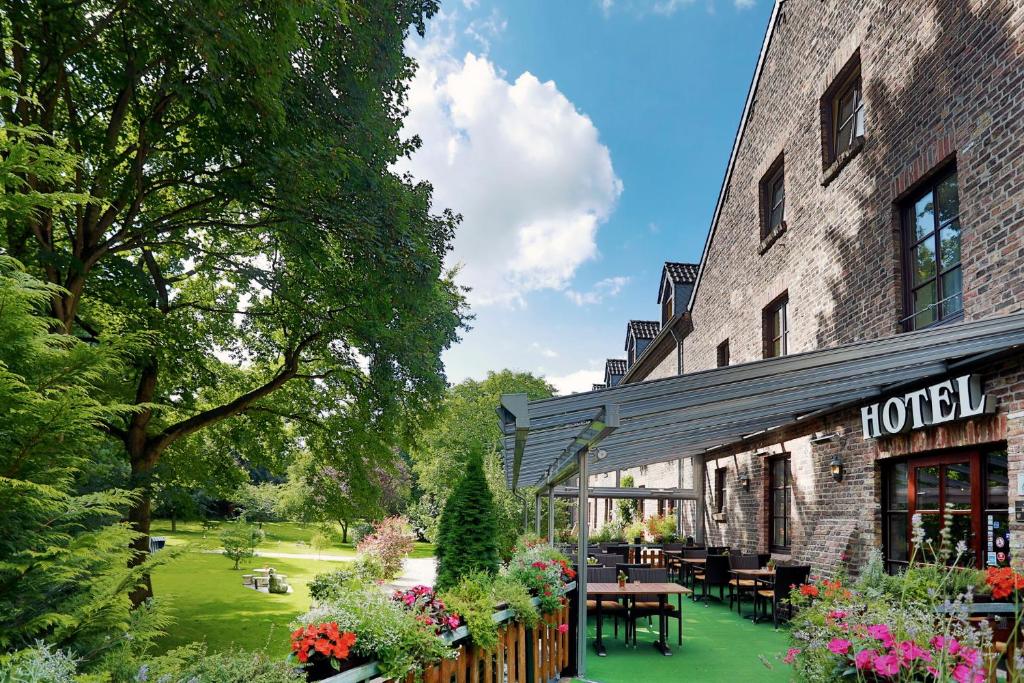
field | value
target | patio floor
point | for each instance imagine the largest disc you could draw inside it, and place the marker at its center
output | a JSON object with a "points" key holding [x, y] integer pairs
{"points": [[718, 645]]}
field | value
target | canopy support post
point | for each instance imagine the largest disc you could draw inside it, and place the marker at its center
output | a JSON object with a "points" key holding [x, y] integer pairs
{"points": [[700, 509], [551, 515], [536, 513], [581, 569]]}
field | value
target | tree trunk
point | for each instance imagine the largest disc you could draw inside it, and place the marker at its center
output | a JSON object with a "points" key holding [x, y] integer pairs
{"points": [[174, 521], [344, 531], [139, 516]]}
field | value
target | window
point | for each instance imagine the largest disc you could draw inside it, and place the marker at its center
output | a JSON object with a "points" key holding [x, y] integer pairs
{"points": [[847, 114], [933, 275], [607, 510], [773, 199], [776, 328], [970, 486], [720, 489], [780, 493], [666, 309], [723, 354]]}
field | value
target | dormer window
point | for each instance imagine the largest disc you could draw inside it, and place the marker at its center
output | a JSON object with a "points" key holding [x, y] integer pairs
{"points": [[666, 309]]}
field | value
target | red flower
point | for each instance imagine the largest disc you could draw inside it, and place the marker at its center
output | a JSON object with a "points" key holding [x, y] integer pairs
{"points": [[809, 590]]}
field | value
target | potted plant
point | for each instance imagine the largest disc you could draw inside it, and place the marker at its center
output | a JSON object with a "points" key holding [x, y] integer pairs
{"points": [[622, 579], [323, 649], [771, 564]]}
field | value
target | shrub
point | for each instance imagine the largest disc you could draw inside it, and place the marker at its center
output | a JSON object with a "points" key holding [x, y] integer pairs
{"points": [[239, 540], [361, 530], [662, 528], [193, 663], [472, 599], [544, 572], [634, 530], [389, 544], [429, 608], [384, 630], [40, 664], [467, 541]]}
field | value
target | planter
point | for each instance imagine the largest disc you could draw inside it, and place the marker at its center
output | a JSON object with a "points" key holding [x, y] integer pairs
{"points": [[319, 668]]}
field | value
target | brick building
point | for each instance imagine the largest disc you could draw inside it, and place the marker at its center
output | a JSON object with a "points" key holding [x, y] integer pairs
{"points": [[876, 186]]}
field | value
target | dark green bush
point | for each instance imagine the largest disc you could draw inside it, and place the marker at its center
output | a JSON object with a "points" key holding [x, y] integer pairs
{"points": [[468, 537]]}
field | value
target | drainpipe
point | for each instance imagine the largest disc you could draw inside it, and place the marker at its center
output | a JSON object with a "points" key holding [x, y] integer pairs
{"points": [[581, 570]]}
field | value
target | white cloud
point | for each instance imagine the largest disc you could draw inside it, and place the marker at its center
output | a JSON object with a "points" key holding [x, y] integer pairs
{"points": [[523, 166], [483, 31], [581, 380], [544, 351], [470, 4], [608, 287], [664, 8], [744, 4]]}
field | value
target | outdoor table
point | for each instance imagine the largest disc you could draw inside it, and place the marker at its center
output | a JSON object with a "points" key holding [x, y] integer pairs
{"points": [[763, 575], [629, 592]]}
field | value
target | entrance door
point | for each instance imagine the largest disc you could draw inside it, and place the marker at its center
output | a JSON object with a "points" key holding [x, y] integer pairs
{"points": [[951, 485]]}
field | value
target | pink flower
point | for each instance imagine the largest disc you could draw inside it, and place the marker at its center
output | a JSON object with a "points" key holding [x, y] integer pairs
{"points": [[948, 644], [933, 671], [881, 632], [453, 621], [839, 646], [965, 674], [791, 654], [887, 665], [837, 614], [970, 656], [912, 651], [865, 659], [563, 628]]}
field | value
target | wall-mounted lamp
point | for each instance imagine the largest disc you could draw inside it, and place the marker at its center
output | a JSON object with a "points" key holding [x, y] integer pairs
{"points": [[744, 479], [602, 454], [836, 467]]}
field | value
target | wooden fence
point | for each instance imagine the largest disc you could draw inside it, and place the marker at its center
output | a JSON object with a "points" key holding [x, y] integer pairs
{"points": [[522, 655]]}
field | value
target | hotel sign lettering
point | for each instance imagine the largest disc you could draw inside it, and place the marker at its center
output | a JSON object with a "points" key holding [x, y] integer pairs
{"points": [[953, 399]]}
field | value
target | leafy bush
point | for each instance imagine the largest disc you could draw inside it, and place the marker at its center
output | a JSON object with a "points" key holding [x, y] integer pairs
{"points": [[662, 528], [634, 530], [467, 542], [193, 663], [389, 544], [361, 530], [612, 531], [472, 600], [239, 540], [40, 664], [325, 587], [428, 608], [543, 571], [384, 630]]}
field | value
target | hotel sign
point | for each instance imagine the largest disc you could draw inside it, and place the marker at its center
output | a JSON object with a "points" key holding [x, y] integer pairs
{"points": [[953, 399]]}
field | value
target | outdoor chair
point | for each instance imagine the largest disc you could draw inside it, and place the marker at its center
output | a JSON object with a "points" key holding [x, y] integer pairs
{"points": [[609, 606], [718, 550], [786, 577], [610, 560], [737, 586], [714, 575], [647, 605], [689, 572]]}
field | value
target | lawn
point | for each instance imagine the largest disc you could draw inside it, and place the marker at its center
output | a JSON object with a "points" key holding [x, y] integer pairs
{"points": [[206, 597], [282, 537]]}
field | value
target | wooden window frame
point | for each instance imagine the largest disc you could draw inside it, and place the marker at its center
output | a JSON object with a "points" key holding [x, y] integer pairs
{"points": [[852, 83], [910, 241], [779, 305], [787, 489]]}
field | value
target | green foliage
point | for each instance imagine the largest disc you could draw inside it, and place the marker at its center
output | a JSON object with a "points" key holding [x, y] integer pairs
{"points": [[467, 541], [626, 508], [63, 553], [516, 597], [388, 545], [662, 528], [193, 663], [325, 588], [40, 664], [472, 599], [232, 191], [239, 540], [385, 631], [465, 428], [612, 531], [258, 502]]}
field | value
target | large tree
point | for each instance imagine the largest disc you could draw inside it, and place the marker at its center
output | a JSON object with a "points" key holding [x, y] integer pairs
{"points": [[237, 200], [466, 425]]}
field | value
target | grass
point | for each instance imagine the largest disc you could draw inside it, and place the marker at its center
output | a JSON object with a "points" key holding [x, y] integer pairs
{"points": [[281, 537], [206, 597], [718, 646]]}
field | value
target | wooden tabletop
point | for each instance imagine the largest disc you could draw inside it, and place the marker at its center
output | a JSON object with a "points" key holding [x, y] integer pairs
{"points": [[636, 589], [695, 560], [762, 573]]}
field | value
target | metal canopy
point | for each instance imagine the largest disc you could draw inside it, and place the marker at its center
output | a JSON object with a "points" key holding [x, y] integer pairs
{"points": [[687, 415]]}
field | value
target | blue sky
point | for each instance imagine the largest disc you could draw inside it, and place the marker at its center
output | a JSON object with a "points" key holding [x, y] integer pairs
{"points": [[584, 142]]}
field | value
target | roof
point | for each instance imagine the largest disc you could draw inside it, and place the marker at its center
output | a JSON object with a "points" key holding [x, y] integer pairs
{"points": [[642, 329], [679, 274], [747, 106], [615, 366], [688, 415], [682, 273]]}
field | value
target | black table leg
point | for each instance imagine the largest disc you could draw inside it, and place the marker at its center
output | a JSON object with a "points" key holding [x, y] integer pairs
{"points": [[662, 644], [598, 643]]}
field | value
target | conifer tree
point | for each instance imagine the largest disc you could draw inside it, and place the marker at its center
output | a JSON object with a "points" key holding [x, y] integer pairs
{"points": [[468, 536]]}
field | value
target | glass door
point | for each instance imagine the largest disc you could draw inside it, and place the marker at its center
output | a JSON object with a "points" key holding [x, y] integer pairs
{"points": [[948, 485]]}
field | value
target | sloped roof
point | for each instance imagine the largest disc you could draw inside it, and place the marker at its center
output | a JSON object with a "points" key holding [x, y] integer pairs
{"points": [[682, 273], [615, 366], [642, 329]]}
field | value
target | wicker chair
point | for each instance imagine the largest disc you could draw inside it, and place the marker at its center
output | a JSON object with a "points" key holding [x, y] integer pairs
{"points": [[737, 586], [609, 606], [648, 605], [778, 595]]}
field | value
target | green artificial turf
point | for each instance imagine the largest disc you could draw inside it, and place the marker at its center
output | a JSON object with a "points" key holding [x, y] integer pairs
{"points": [[718, 646]]}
